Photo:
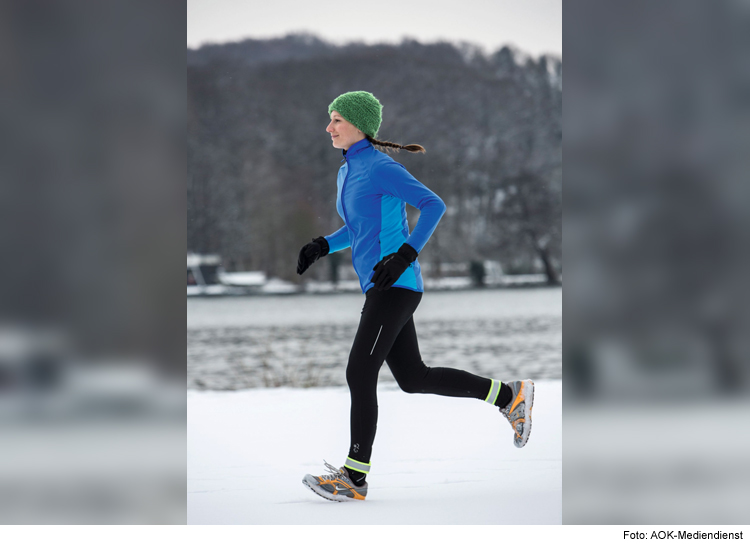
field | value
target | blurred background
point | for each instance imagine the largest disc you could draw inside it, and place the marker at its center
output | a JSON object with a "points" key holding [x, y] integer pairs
{"points": [[656, 246], [92, 233]]}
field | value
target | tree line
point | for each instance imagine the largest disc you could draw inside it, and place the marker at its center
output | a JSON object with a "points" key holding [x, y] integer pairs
{"points": [[262, 171]]}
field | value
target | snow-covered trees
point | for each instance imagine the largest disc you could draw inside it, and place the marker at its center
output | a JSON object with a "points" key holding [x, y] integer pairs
{"points": [[261, 170]]}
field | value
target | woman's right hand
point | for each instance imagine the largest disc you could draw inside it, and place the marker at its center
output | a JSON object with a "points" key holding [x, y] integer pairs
{"points": [[310, 253]]}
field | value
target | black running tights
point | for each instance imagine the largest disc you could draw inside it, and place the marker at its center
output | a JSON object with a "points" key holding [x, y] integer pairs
{"points": [[386, 333]]}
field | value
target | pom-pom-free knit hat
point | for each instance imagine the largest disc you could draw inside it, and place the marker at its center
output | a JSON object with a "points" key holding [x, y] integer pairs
{"points": [[361, 109]]}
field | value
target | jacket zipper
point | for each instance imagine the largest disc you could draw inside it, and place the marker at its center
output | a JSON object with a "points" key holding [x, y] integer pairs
{"points": [[343, 205]]}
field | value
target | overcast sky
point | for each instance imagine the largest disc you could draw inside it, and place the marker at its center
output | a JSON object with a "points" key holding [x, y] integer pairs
{"points": [[534, 26]]}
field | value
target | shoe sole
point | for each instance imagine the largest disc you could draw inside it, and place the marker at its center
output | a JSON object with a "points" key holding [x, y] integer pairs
{"points": [[530, 405], [327, 495]]}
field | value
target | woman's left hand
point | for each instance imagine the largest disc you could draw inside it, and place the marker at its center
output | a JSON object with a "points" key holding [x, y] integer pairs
{"points": [[392, 266]]}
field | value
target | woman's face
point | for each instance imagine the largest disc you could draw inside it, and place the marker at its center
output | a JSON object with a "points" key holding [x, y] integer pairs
{"points": [[343, 133]]}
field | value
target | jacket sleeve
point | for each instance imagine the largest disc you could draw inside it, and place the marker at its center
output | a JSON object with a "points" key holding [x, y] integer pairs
{"points": [[339, 240], [395, 180]]}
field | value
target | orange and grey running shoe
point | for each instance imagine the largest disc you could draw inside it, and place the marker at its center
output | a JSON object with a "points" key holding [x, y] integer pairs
{"points": [[336, 486], [518, 410]]}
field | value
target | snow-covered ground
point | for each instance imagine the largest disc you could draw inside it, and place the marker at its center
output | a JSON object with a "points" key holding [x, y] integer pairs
{"points": [[436, 460], [304, 340]]}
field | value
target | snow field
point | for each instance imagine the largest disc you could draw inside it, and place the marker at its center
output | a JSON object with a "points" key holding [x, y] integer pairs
{"points": [[436, 460]]}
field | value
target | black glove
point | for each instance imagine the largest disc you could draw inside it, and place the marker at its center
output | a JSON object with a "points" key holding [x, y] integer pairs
{"points": [[393, 266], [310, 253]]}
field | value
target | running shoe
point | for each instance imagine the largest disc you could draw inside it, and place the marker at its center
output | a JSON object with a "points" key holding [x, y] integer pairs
{"points": [[336, 486], [518, 410]]}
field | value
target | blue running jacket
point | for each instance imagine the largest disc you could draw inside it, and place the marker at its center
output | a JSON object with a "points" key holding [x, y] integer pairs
{"points": [[372, 193]]}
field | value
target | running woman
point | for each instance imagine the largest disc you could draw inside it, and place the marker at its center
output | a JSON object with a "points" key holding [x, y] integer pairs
{"points": [[372, 192]]}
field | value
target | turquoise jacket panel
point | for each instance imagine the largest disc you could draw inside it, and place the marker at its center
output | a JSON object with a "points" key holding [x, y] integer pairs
{"points": [[371, 198]]}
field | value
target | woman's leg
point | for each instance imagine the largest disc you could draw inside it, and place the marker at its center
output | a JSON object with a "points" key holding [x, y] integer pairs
{"points": [[383, 316], [414, 377]]}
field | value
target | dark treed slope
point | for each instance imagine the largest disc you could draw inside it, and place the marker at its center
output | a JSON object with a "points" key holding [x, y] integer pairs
{"points": [[262, 172]]}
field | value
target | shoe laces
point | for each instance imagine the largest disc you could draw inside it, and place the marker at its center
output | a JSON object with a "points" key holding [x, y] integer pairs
{"points": [[520, 410], [505, 411], [334, 472]]}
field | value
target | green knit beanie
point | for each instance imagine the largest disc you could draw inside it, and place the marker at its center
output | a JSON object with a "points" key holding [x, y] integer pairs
{"points": [[361, 109]]}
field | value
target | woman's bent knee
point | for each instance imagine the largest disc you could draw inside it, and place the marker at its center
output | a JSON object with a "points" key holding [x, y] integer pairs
{"points": [[411, 387], [416, 380]]}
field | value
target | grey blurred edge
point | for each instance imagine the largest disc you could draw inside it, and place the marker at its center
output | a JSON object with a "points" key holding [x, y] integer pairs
{"points": [[656, 351], [92, 227]]}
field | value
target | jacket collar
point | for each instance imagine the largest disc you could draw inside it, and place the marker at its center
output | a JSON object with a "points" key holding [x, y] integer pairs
{"points": [[356, 148]]}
